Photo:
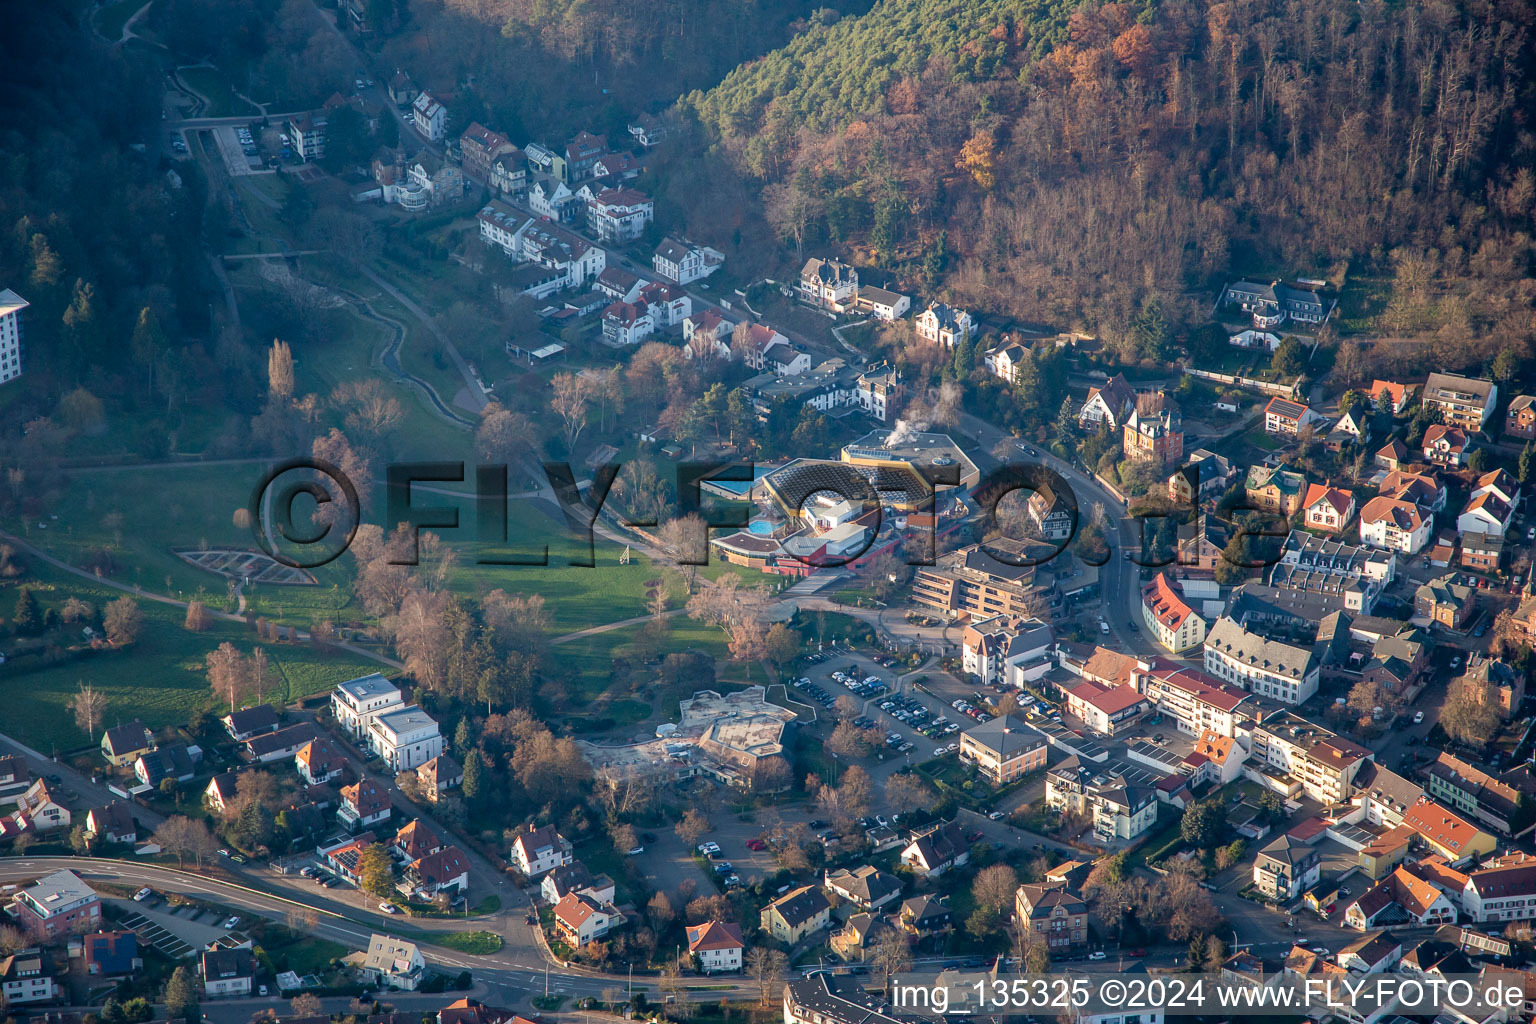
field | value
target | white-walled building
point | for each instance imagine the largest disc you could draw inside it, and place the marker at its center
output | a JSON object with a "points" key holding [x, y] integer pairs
{"points": [[430, 117], [356, 701], [11, 306], [1282, 671], [540, 850], [717, 944], [1168, 616], [944, 325], [405, 737], [1395, 525], [684, 262]]}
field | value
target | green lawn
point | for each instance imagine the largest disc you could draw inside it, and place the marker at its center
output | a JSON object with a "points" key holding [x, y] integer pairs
{"points": [[159, 679], [111, 18], [477, 943], [216, 87]]}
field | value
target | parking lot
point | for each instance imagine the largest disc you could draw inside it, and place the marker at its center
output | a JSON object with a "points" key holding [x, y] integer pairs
{"points": [[910, 723]]}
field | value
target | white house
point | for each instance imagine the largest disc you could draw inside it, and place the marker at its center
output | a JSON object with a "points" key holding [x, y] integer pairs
{"points": [[429, 116], [1395, 525], [1172, 621], [357, 700], [619, 214], [883, 304], [1003, 359], [684, 262], [717, 945], [944, 325], [1485, 513], [24, 978], [405, 737], [937, 850], [540, 850], [1285, 672], [829, 283], [581, 920], [227, 972], [394, 963]]}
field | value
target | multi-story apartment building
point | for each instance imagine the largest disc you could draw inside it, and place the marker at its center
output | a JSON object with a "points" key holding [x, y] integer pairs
{"points": [[998, 650], [973, 583], [1394, 525], [1324, 764], [1196, 702], [1168, 617], [1118, 809], [479, 147], [1464, 402], [356, 701], [1504, 890], [1003, 749], [1286, 868], [404, 737], [11, 306], [1482, 796], [619, 214], [1283, 671], [1055, 914], [56, 903], [685, 262]]}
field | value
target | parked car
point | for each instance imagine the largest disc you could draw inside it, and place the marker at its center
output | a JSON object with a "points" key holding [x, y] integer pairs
{"points": [[389, 908], [1097, 954], [634, 851], [756, 844], [997, 815], [231, 922], [143, 894], [1418, 718]]}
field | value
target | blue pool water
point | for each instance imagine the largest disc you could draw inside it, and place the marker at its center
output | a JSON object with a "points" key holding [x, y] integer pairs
{"points": [[760, 527]]}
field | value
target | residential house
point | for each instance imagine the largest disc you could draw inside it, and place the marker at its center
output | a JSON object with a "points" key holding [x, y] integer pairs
{"points": [[940, 848], [355, 701], [1202, 543], [1204, 476], [429, 116], [1392, 455], [797, 914], [1053, 912], [1375, 953], [1502, 890], [122, 744], [1352, 428], [1448, 833], [554, 201], [616, 167], [581, 920], [883, 304], [1485, 513], [1119, 810], [25, 978], [320, 761], [866, 887], [1328, 508], [1112, 404], [1278, 669], [1497, 683], [1282, 417], [171, 762], [829, 284], [221, 790], [540, 850], [1400, 898], [509, 174], [1173, 623], [684, 262], [1275, 489], [1286, 868], [716, 946], [574, 877], [363, 803], [1445, 446], [1464, 402], [110, 954], [402, 91], [394, 963], [1002, 749], [857, 937], [227, 972], [443, 871], [438, 775], [1053, 518], [15, 777], [414, 841], [1422, 489], [479, 147], [1520, 417], [1154, 432], [944, 325], [248, 722], [41, 809], [1272, 304], [1004, 359], [405, 738], [1395, 525], [925, 917], [55, 903], [580, 157], [436, 178], [346, 858], [112, 823], [1481, 552], [1391, 395], [1445, 602], [618, 215]]}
